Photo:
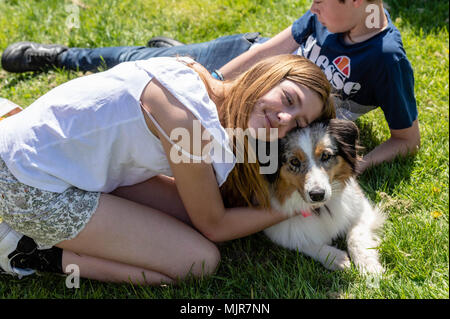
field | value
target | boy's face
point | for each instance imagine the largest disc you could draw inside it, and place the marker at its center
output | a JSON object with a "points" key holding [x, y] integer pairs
{"points": [[337, 17]]}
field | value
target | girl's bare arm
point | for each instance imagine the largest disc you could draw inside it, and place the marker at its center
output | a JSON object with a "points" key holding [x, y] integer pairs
{"points": [[196, 182]]}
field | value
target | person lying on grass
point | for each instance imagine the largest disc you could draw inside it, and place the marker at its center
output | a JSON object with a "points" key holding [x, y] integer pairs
{"points": [[353, 41], [83, 167]]}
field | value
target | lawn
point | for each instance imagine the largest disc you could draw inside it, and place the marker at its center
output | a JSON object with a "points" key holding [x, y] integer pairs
{"points": [[414, 190]]}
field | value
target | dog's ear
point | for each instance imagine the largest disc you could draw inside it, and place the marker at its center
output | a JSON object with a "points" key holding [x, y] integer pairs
{"points": [[346, 134]]}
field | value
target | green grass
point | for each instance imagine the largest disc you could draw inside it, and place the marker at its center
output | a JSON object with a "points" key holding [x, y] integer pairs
{"points": [[415, 245]]}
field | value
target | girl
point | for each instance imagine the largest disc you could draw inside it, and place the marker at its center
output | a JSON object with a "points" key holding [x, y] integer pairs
{"points": [[85, 168]]}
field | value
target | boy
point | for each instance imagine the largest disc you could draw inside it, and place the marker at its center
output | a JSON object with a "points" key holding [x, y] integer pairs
{"points": [[363, 59], [353, 41]]}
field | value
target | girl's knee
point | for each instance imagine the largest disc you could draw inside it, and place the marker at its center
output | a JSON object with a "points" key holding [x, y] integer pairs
{"points": [[213, 260], [207, 262]]}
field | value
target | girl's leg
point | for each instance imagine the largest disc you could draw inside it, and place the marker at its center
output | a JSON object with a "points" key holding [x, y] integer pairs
{"points": [[159, 192], [111, 271], [129, 233]]}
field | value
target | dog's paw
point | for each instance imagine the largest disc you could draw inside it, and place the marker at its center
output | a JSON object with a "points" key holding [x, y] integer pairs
{"points": [[342, 262], [371, 268], [336, 259]]}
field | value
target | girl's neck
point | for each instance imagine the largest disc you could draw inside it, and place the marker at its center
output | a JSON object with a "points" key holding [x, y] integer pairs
{"points": [[220, 90]]}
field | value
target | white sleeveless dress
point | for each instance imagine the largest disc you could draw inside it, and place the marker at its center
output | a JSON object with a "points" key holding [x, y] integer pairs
{"points": [[89, 136]]}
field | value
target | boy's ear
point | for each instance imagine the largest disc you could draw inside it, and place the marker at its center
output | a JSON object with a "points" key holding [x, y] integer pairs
{"points": [[357, 3]]}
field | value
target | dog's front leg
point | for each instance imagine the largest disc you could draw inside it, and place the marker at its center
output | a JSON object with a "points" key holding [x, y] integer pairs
{"points": [[331, 257], [362, 243]]}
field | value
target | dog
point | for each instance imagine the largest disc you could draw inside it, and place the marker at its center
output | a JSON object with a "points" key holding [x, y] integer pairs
{"points": [[316, 184]]}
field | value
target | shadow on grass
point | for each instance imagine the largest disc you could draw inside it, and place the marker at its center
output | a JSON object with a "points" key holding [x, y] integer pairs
{"points": [[385, 176], [9, 80], [428, 15], [255, 267]]}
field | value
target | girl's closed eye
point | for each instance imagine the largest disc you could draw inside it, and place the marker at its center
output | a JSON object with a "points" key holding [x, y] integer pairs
{"points": [[288, 98]]}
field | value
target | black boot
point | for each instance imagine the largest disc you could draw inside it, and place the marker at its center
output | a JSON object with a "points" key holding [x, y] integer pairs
{"points": [[163, 42], [31, 56], [27, 256]]}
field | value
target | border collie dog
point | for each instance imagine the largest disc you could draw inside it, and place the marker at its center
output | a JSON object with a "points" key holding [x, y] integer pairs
{"points": [[316, 182]]}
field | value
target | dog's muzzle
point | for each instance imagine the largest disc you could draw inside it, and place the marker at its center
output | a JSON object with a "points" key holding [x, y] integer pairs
{"points": [[317, 194]]}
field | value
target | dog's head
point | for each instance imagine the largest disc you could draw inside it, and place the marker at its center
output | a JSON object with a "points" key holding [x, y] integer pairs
{"points": [[315, 161]]}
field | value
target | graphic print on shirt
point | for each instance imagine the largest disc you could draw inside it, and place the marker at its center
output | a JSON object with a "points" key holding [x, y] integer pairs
{"points": [[337, 71], [342, 63]]}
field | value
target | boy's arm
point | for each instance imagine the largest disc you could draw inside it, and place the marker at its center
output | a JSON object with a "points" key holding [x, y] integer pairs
{"points": [[402, 142], [282, 43], [394, 92]]}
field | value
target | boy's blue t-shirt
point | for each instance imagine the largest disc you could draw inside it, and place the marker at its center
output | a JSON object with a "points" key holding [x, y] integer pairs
{"points": [[366, 75]]}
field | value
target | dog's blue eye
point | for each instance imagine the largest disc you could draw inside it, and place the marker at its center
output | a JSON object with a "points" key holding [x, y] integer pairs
{"points": [[325, 157], [295, 162]]}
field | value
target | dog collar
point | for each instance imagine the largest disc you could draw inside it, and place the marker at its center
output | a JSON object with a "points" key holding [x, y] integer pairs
{"points": [[305, 213]]}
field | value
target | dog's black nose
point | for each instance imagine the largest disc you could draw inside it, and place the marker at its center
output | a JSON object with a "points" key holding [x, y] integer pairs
{"points": [[317, 194]]}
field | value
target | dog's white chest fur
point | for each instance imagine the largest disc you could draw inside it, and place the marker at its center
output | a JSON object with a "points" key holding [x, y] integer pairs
{"points": [[314, 229], [316, 162], [350, 213]]}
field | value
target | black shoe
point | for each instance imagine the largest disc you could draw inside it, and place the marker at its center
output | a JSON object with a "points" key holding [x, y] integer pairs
{"points": [[28, 257], [31, 56], [10, 241], [163, 42]]}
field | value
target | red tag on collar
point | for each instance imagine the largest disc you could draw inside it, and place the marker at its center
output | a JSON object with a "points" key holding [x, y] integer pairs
{"points": [[305, 213]]}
